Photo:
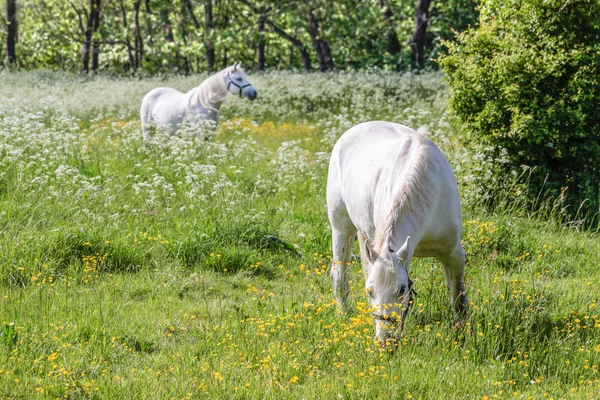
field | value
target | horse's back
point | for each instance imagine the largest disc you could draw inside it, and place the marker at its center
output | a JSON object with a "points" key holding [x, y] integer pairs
{"points": [[375, 163], [379, 156], [159, 97], [162, 106], [374, 138]]}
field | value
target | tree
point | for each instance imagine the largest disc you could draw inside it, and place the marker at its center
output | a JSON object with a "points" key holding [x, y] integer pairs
{"points": [[137, 35], [446, 20], [527, 81], [93, 17], [159, 36], [208, 31], [260, 45], [419, 37], [11, 32], [320, 44], [127, 41], [297, 43], [393, 44]]}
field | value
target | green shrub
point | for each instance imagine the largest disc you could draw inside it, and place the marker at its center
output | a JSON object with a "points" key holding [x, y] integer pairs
{"points": [[527, 81]]}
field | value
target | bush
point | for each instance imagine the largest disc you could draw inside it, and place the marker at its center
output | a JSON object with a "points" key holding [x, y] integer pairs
{"points": [[527, 81]]}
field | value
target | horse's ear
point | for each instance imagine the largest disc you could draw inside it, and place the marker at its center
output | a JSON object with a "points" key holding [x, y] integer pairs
{"points": [[370, 253], [404, 250], [235, 65]]}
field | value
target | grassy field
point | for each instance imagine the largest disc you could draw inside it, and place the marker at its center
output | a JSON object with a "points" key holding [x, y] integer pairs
{"points": [[197, 266]]}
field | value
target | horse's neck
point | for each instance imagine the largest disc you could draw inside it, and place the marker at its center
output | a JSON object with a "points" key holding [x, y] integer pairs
{"points": [[210, 94], [385, 207]]}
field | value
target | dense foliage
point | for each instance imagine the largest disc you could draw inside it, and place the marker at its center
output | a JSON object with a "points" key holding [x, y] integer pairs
{"points": [[157, 36], [526, 83]]}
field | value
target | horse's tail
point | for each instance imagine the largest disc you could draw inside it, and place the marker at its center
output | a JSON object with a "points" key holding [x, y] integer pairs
{"points": [[145, 115]]}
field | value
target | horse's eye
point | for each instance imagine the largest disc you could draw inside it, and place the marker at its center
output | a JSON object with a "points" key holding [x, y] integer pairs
{"points": [[370, 292], [239, 79]]}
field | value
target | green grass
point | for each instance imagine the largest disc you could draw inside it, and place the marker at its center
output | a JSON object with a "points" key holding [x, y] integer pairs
{"points": [[185, 269]]}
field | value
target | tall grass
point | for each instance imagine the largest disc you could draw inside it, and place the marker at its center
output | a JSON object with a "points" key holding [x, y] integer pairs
{"points": [[187, 268]]}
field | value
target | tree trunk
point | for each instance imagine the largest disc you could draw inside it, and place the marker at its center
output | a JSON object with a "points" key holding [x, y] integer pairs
{"points": [[127, 41], [95, 43], [417, 42], [11, 32], [93, 22], [187, 4], [327, 54], [85, 56], [137, 36], [208, 27], [149, 30], [183, 24], [167, 30], [296, 42], [393, 44], [293, 40], [321, 46], [260, 46], [95, 56]]}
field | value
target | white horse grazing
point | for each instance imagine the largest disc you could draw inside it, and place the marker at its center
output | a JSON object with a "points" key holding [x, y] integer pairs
{"points": [[168, 107], [396, 188]]}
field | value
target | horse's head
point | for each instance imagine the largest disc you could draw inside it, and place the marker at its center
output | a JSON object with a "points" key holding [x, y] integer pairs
{"points": [[388, 287], [237, 82]]}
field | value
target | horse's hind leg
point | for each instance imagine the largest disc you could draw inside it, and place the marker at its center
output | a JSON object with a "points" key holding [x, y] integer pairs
{"points": [[454, 267], [148, 130], [342, 240], [144, 131]]}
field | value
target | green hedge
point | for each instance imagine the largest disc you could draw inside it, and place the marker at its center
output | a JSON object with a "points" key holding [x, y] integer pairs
{"points": [[527, 80]]}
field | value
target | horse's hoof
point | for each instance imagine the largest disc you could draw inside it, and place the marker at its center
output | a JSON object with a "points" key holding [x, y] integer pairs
{"points": [[342, 308], [402, 329], [461, 326], [389, 344]]}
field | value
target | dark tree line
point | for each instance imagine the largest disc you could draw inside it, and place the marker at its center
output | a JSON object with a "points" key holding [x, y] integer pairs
{"points": [[194, 35]]}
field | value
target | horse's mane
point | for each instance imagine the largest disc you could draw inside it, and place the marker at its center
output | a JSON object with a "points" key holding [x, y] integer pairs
{"points": [[416, 194], [212, 92]]}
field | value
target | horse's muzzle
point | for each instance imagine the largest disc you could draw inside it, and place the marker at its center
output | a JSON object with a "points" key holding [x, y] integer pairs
{"points": [[252, 95]]}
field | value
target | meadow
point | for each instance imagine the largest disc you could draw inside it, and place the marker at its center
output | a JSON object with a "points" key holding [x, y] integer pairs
{"points": [[196, 266]]}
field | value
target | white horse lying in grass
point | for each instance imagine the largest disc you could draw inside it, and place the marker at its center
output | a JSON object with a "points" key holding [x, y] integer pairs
{"points": [[169, 107], [395, 187]]}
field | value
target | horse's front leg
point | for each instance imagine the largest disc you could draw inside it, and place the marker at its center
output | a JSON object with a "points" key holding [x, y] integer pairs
{"points": [[454, 272], [340, 267]]}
